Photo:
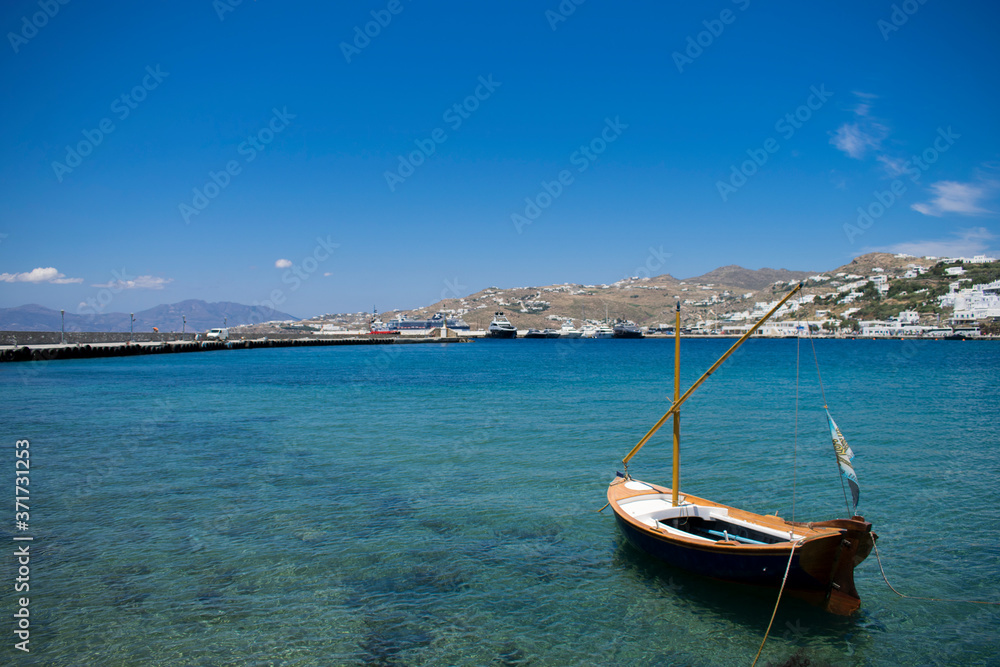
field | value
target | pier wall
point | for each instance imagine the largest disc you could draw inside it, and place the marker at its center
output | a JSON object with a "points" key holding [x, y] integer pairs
{"points": [[18, 338], [95, 349]]}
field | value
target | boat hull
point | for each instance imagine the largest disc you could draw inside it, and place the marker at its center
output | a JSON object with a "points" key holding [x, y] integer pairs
{"points": [[822, 566], [501, 333]]}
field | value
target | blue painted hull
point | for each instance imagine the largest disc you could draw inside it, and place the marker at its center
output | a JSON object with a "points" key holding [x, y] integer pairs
{"points": [[748, 568]]}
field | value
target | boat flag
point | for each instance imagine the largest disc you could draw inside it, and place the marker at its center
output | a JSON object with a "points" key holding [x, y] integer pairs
{"points": [[844, 458]]}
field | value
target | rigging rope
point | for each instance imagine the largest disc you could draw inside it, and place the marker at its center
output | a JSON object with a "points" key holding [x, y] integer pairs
{"points": [[777, 602], [795, 441], [915, 597], [816, 359], [843, 487]]}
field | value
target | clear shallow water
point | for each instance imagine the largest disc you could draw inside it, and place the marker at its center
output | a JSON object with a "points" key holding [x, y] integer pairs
{"points": [[428, 505]]}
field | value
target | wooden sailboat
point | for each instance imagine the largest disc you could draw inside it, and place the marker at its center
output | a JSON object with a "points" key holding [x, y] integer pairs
{"points": [[814, 561]]}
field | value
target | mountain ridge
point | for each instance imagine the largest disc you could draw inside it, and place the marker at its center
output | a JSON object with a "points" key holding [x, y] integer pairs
{"points": [[734, 275], [200, 316]]}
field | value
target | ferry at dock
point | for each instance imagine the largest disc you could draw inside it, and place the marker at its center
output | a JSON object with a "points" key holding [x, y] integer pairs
{"points": [[439, 320]]}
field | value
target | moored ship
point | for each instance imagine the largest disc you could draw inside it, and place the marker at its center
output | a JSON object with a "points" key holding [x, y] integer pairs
{"points": [[439, 320], [567, 331], [501, 327], [626, 329], [377, 326]]}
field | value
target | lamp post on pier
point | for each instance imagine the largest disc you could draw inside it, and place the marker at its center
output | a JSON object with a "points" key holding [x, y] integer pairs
{"points": [[131, 327], [62, 337], [184, 324]]}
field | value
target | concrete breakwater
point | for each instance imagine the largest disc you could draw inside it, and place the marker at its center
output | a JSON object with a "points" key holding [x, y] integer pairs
{"points": [[52, 352]]}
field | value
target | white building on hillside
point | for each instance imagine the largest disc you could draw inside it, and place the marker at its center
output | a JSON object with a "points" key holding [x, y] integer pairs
{"points": [[978, 259], [850, 287], [973, 303]]}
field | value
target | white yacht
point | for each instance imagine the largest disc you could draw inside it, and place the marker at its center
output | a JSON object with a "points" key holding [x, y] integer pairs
{"points": [[501, 327], [604, 331], [594, 331], [567, 331]]}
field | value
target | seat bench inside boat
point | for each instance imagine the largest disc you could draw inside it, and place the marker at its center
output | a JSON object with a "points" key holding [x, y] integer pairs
{"points": [[700, 522]]}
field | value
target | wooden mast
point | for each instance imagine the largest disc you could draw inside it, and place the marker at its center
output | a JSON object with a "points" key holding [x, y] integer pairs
{"points": [[677, 395], [677, 403]]}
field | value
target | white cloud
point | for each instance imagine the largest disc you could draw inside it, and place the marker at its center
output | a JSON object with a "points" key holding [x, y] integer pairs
{"points": [[965, 243], [283, 264], [327, 274], [894, 166], [855, 140], [955, 197], [39, 275], [140, 282]]}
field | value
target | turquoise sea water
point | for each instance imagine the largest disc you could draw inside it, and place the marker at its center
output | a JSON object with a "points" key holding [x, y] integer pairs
{"points": [[437, 504]]}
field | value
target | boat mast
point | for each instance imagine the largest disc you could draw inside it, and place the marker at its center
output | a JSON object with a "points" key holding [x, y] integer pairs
{"points": [[677, 395], [677, 403]]}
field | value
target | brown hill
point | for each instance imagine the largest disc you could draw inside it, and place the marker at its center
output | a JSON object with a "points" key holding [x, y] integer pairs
{"points": [[864, 264], [651, 301], [749, 279]]}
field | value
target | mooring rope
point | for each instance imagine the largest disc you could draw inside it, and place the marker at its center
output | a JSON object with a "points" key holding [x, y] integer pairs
{"points": [[777, 602], [915, 597]]}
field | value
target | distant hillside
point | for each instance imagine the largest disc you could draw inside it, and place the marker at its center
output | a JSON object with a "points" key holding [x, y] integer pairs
{"points": [[864, 264], [727, 292], [749, 279], [169, 317]]}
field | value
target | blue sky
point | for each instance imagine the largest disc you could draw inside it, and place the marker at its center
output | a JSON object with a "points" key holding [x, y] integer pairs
{"points": [[274, 153]]}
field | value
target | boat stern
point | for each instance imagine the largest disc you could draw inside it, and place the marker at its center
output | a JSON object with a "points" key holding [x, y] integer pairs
{"points": [[856, 542]]}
